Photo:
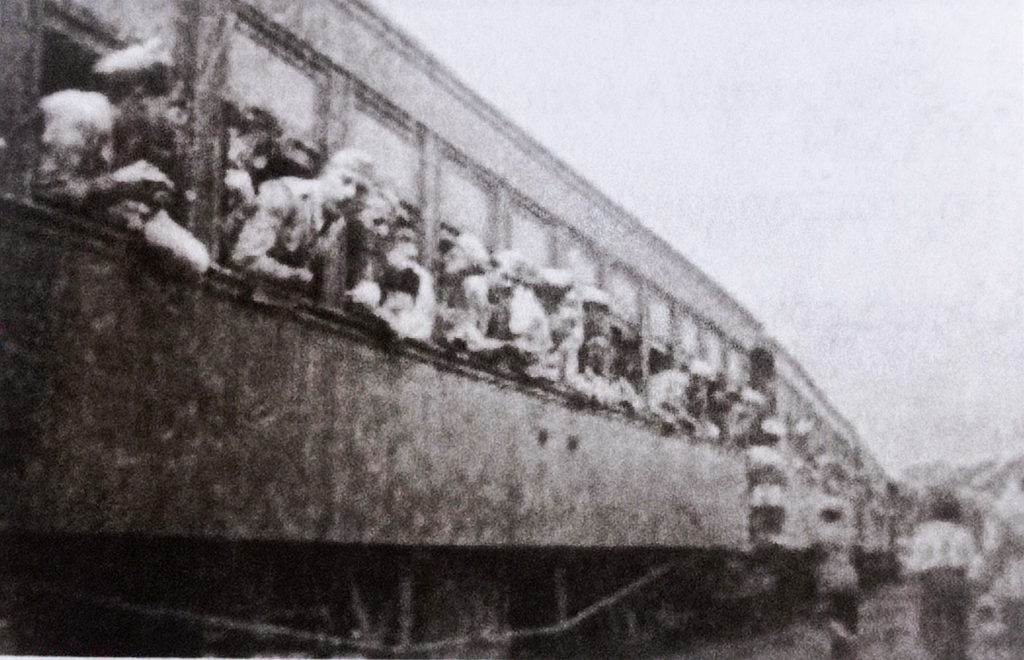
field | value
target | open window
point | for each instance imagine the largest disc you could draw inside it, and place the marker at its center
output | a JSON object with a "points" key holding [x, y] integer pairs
{"points": [[625, 339], [392, 140], [73, 125], [66, 63], [465, 202], [579, 259], [531, 236], [659, 332], [687, 338], [272, 101], [271, 121]]}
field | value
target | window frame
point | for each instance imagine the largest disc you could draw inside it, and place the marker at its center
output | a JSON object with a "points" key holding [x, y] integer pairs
{"points": [[549, 222], [652, 293], [478, 176], [367, 101], [293, 51], [567, 238], [735, 354], [708, 329], [684, 317]]}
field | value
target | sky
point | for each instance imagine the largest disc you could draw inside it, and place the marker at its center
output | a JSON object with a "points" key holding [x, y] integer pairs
{"points": [[852, 172]]}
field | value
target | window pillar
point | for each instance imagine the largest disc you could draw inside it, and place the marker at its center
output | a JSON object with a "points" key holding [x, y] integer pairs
{"points": [[201, 54], [20, 52]]}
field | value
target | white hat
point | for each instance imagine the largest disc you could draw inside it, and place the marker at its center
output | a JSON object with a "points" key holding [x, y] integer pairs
{"points": [[702, 369], [767, 495], [474, 249], [238, 180], [595, 296], [355, 163], [556, 277], [759, 455], [753, 397], [71, 111], [134, 59], [774, 426]]}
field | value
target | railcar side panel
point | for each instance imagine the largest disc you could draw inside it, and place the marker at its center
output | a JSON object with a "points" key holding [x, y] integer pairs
{"points": [[164, 407]]}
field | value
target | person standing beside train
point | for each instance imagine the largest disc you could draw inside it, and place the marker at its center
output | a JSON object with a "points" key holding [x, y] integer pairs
{"points": [[837, 579], [943, 559]]}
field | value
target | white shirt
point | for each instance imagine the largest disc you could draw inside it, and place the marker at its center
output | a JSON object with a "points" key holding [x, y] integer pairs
{"points": [[941, 544]]}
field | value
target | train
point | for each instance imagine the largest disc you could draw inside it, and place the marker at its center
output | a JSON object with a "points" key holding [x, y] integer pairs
{"points": [[195, 464]]}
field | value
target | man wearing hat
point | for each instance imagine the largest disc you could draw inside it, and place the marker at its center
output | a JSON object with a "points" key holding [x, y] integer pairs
{"points": [[837, 577], [942, 560], [300, 220], [464, 309], [407, 288], [119, 154], [519, 318], [564, 308], [118, 148]]}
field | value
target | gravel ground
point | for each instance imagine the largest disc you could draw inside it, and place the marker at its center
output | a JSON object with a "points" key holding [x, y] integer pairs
{"points": [[888, 631]]}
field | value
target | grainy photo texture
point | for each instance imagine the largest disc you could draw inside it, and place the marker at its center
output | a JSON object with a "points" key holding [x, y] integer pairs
{"points": [[528, 329]]}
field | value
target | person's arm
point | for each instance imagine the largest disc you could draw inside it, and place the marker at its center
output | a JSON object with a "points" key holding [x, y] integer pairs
{"points": [[260, 232]]}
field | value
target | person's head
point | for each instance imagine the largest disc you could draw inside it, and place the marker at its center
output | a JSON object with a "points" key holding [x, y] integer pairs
{"points": [[702, 372], [403, 246], [513, 267], [945, 506], [346, 182], [78, 121], [598, 357], [832, 528], [466, 253], [239, 191]]}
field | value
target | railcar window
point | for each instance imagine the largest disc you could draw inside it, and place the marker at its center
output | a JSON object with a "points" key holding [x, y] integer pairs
{"points": [[395, 149], [66, 64], [581, 263], [659, 327], [711, 347], [688, 336], [659, 314], [736, 367], [625, 295], [260, 78], [531, 236], [464, 204]]}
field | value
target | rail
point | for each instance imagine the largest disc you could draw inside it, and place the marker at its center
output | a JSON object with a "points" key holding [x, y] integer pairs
{"points": [[324, 641]]}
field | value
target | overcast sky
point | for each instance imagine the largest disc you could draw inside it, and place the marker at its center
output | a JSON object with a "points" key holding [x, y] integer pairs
{"points": [[851, 171]]}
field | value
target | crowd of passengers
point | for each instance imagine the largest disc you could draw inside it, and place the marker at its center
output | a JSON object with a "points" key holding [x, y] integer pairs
{"points": [[116, 152]]}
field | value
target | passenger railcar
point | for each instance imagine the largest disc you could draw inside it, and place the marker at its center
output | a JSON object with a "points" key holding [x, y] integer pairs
{"points": [[199, 464]]}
